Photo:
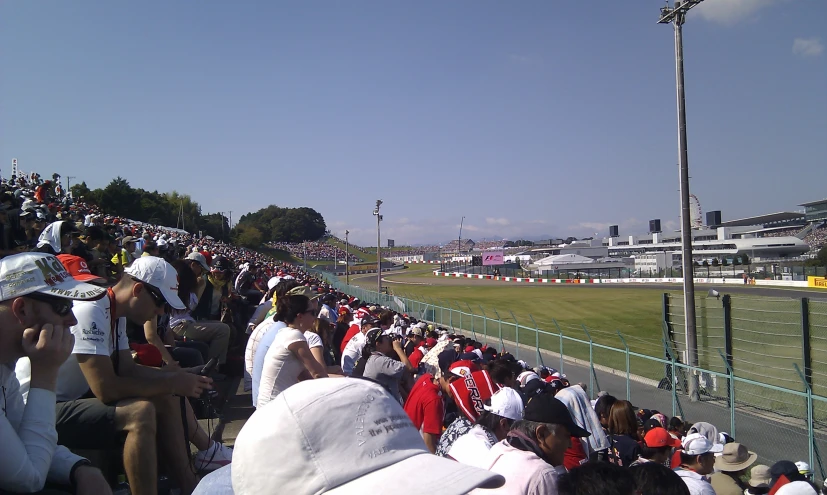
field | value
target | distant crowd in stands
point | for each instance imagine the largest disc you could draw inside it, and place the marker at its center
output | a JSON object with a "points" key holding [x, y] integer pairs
{"points": [[815, 238], [316, 250]]}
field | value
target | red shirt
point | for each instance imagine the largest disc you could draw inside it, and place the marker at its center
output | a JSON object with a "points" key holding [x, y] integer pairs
{"points": [[425, 407], [415, 357], [353, 330], [575, 455]]}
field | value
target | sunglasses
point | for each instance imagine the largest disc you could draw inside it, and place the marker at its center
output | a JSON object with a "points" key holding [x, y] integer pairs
{"points": [[59, 305], [155, 294]]}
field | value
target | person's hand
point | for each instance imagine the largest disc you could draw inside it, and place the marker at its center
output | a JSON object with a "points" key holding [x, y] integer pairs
{"points": [[47, 347], [397, 346], [189, 385], [91, 480]]}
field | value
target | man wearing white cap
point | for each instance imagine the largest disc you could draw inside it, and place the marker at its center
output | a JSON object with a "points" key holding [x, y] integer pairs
{"points": [[36, 295], [101, 391], [338, 436], [697, 461], [491, 427]]}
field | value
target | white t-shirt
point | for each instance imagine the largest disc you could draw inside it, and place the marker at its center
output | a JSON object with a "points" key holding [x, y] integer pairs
{"points": [[93, 335], [313, 339], [281, 367], [250, 351], [352, 353], [472, 448]]}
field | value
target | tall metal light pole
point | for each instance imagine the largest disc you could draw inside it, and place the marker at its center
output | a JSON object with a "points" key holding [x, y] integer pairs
{"points": [[677, 16], [69, 183], [347, 259], [459, 239], [378, 247]]}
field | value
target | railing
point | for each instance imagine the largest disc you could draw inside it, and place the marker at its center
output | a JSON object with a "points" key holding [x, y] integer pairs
{"points": [[786, 425]]}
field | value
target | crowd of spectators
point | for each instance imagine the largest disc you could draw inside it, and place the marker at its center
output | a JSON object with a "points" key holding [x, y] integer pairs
{"points": [[315, 250], [106, 326], [817, 238]]}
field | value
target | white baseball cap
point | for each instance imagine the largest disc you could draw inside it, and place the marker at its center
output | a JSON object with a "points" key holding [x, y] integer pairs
{"points": [[273, 282], [342, 436], [159, 274], [506, 402], [25, 273], [697, 444]]}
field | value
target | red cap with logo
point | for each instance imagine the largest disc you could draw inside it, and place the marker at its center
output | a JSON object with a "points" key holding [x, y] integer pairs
{"points": [[78, 268]]}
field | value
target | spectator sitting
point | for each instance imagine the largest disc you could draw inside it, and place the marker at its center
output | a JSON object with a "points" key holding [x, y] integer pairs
{"points": [[214, 333], [58, 237], [469, 387], [425, 406], [657, 447], [759, 480], [150, 249], [582, 449], [289, 360], [217, 291], [731, 467], [652, 478], [492, 426], [295, 445], [34, 325], [697, 461], [531, 456], [623, 431], [377, 362], [597, 477], [126, 255], [125, 396]]}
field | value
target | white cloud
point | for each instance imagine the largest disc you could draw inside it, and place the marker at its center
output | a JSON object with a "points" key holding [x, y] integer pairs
{"points": [[807, 47], [497, 221], [730, 11]]}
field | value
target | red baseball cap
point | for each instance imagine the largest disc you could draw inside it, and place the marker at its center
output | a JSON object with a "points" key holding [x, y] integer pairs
{"points": [[78, 268], [658, 437], [430, 342]]}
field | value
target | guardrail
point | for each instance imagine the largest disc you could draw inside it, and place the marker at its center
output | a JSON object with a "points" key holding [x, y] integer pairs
{"points": [[785, 426]]}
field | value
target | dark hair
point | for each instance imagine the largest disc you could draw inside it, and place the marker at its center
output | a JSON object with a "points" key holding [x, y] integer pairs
{"points": [[386, 318], [491, 421], [500, 371], [622, 419], [288, 308], [656, 479], [597, 478], [372, 338], [675, 424], [95, 233], [603, 406], [649, 452], [186, 280]]}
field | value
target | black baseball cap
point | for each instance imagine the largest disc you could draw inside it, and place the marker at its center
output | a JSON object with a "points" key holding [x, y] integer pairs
{"points": [[544, 408]]}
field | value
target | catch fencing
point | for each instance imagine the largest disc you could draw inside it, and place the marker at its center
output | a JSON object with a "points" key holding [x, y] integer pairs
{"points": [[754, 379]]}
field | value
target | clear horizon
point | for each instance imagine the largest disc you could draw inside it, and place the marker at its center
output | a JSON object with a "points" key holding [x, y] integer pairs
{"points": [[531, 119]]}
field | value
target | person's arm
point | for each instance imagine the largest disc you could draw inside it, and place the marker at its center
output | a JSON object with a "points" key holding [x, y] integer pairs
{"points": [[151, 335], [431, 441], [200, 285], [400, 351], [27, 453], [136, 381], [302, 352]]}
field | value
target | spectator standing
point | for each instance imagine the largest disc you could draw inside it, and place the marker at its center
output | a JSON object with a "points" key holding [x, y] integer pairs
{"points": [[35, 317], [731, 467]]}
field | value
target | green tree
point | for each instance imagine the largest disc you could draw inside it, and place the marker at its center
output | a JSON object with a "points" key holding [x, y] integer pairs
{"points": [[820, 259], [248, 236], [286, 224], [745, 259]]}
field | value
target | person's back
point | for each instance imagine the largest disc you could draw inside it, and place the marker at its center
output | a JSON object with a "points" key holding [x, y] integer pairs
{"points": [[598, 477], [524, 471], [281, 366]]}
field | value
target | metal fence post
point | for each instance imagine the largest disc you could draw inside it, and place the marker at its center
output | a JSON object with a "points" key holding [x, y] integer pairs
{"points": [[484, 324], [810, 433], [730, 392], [805, 347], [537, 341], [500, 330], [516, 335], [560, 335], [727, 302], [628, 378], [591, 362], [470, 312], [673, 385]]}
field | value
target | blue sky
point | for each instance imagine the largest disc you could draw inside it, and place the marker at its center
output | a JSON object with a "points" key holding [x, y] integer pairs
{"points": [[528, 118]]}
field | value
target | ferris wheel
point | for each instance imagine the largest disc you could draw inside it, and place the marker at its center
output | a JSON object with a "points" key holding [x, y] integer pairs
{"points": [[696, 212]]}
